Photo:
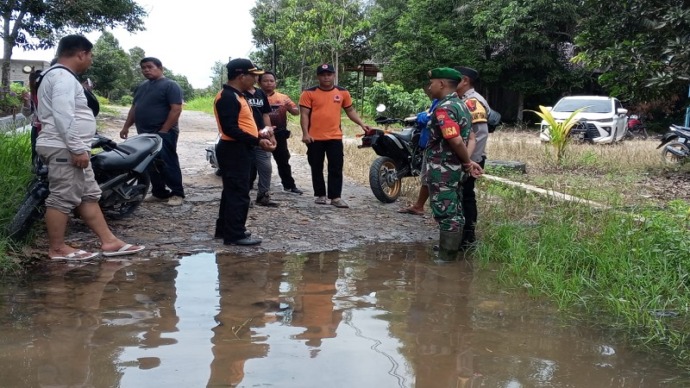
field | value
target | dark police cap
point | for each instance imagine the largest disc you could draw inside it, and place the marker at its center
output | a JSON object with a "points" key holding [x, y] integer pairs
{"points": [[445, 73], [468, 72], [242, 66]]}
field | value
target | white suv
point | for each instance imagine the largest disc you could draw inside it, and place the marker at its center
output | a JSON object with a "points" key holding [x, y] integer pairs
{"points": [[604, 120]]}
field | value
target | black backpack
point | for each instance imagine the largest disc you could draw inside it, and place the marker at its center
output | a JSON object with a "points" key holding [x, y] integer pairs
{"points": [[91, 99]]}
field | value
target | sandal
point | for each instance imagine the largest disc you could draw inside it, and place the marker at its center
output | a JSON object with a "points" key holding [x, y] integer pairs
{"points": [[320, 200], [339, 203], [78, 255], [411, 210]]}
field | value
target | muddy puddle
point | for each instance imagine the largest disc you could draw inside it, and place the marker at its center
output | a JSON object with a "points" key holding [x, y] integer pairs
{"points": [[379, 316]]}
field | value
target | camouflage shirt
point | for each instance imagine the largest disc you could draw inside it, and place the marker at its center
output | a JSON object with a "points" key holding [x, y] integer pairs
{"points": [[450, 119]]}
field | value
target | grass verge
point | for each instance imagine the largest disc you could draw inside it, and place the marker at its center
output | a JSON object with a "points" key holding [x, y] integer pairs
{"points": [[625, 270], [15, 157]]}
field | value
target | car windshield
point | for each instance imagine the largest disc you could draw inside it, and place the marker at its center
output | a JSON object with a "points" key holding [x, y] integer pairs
{"points": [[591, 106]]}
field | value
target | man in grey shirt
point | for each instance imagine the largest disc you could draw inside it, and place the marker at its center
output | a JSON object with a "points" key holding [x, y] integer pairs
{"points": [[64, 145], [156, 109]]}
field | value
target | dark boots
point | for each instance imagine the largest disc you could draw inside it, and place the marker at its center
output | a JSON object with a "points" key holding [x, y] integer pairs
{"points": [[448, 244]]}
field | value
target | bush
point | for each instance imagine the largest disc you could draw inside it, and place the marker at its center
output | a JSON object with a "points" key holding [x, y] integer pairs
{"points": [[399, 103], [126, 100], [11, 98]]}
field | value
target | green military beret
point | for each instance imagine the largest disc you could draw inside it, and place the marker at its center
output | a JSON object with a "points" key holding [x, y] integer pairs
{"points": [[445, 73]]}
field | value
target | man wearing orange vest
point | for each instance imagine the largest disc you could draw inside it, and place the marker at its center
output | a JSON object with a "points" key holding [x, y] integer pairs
{"points": [[238, 137]]}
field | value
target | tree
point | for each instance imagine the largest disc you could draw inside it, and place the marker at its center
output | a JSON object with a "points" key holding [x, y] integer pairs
{"points": [[111, 68], [300, 34], [640, 47], [32, 24]]}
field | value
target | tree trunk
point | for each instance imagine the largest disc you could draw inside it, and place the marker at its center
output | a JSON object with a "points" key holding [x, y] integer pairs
{"points": [[521, 106], [336, 66], [7, 50]]}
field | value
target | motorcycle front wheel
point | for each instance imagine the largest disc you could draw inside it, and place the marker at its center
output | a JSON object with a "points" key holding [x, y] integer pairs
{"points": [[27, 214], [674, 153], [384, 180], [124, 199]]}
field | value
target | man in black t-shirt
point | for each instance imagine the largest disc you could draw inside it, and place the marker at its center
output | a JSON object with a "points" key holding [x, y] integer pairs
{"points": [[156, 109]]}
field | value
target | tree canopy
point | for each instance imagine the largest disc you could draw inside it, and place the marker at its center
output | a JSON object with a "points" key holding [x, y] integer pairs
{"points": [[33, 24]]}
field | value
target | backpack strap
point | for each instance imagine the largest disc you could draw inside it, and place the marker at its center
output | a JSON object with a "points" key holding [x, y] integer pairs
{"points": [[91, 99]]}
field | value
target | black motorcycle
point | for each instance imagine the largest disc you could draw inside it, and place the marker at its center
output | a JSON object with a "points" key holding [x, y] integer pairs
{"points": [[399, 153], [120, 171], [675, 143]]}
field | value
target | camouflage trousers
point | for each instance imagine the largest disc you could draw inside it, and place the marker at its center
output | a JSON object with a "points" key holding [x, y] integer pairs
{"points": [[445, 198]]}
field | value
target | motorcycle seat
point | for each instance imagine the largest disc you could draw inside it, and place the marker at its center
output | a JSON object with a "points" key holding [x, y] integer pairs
{"points": [[138, 148], [405, 134]]}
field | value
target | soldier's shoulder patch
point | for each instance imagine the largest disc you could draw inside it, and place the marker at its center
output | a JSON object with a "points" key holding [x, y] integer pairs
{"points": [[471, 104]]}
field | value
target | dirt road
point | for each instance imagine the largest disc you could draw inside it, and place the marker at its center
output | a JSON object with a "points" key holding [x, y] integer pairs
{"points": [[298, 225]]}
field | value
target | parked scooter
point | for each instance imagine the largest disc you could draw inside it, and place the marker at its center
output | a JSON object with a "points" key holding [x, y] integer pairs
{"points": [[120, 170], [675, 143]]}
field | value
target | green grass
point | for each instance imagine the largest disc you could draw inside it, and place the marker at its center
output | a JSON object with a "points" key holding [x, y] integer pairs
{"points": [[201, 104], [623, 270], [15, 157]]}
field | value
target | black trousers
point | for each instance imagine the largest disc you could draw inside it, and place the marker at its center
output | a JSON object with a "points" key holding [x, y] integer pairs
{"points": [[469, 207], [234, 160], [316, 154], [282, 157]]}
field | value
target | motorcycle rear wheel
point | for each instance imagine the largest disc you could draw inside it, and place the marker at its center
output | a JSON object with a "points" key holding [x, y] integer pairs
{"points": [[136, 187], [383, 180], [670, 158], [27, 214]]}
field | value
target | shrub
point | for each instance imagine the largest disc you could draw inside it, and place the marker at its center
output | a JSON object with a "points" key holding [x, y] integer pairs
{"points": [[126, 100], [399, 103], [11, 98]]}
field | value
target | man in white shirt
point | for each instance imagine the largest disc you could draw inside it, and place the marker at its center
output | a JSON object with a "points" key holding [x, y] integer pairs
{"points": [[64, 145]]}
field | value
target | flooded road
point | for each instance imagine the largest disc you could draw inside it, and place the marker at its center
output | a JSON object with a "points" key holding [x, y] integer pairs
{"points": [[378, 316]]}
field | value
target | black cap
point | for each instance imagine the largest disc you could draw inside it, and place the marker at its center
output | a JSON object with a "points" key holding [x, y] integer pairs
{"points": [[242, 66], [468, 72], [325, 68]]}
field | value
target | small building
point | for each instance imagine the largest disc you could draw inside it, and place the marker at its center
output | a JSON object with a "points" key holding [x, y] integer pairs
{"points": [[17, 74]]}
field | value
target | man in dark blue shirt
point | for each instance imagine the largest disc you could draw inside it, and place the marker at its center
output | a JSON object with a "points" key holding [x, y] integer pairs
{"points": [[156, 109]]}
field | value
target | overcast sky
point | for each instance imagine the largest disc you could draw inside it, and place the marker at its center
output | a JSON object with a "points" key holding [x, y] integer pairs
{"points": [[188, 37]]}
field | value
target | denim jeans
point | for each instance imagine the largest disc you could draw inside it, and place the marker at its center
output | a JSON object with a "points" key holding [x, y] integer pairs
{"points": [[316, 154], [165, 170]]}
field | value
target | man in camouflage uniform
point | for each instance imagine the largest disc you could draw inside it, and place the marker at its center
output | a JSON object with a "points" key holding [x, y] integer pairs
{"points": [[448, 161]]}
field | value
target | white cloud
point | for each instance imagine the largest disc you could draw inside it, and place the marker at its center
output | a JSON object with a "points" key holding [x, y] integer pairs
{"points": [[188, 37]]}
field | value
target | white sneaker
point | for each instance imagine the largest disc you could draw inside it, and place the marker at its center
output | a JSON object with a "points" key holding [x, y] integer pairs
{"points": [[175, 201]]}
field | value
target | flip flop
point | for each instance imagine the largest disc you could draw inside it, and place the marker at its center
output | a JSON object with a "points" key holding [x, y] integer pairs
{"points": [[124, 250], [409, 210], [78, 255]]}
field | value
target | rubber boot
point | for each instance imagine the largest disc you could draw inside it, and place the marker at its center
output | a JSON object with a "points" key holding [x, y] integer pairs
{"points": [[448, 244]]}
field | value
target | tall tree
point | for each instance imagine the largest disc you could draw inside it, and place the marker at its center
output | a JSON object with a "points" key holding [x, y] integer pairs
{"points": [[111, 69], [300, 34], [32, 24], [639, 46]]}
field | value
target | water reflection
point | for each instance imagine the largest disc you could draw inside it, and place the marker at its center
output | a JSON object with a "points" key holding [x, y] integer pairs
{"points": [[378, 316]]}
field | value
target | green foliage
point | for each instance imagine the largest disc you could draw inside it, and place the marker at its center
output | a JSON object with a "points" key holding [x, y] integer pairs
{"points": [[632, 269], [11, 98], [126, 100], [15, 157], [201, 104], [293, 36], [111, 69], [32, 24], [642, 49], [399, 103], [559, 131]]}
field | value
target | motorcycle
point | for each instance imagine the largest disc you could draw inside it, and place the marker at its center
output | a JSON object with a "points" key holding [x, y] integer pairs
{"points": [[399, 153], [636, 129], [120, 170], [675, 145], [211, 156]]}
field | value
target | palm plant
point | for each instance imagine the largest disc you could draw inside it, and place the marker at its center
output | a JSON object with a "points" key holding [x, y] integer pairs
{"points": [[559, 131]]}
